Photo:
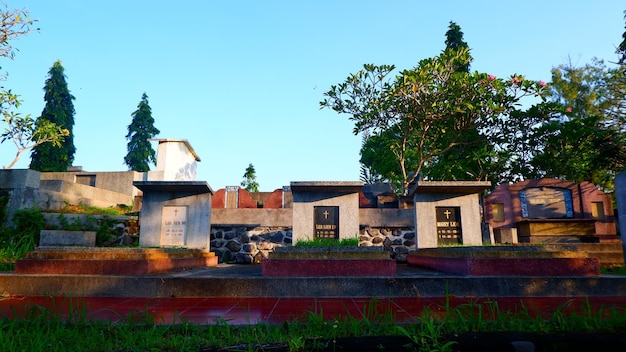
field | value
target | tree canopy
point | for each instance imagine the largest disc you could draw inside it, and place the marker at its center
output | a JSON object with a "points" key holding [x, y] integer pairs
{"points": [[59, 110], [141, 129], [587, 141], [249, 182], [21, 130], [424, 112]]}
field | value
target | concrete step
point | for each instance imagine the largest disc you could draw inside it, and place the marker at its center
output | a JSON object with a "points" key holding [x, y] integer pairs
{"points": [[111, 261], [241, 280]]}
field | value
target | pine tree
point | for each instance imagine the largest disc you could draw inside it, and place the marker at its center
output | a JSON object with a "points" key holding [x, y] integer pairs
{"points": [[454, 40], [141, 129], [249, 180], [467, 160], [59, 110]]}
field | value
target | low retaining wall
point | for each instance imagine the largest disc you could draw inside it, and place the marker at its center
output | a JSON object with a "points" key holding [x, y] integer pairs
{"points": [[123, 230], [246, 244]]}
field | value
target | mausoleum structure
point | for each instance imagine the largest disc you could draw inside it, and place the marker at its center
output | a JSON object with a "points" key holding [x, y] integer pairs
{"points": [[176, 209], [550, 210], [176, 161], [175, 214], [18, 190], [448, 212], [327, 209]]}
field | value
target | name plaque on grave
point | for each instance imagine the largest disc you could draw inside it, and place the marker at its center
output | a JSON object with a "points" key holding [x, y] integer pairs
{"points": [[326, 222], [546, 203], [173, 225], [448, 225]]}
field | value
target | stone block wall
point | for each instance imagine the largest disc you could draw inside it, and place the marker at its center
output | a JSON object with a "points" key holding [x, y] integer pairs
{"points": [[249, 245], [397, 241], [123, 231]]}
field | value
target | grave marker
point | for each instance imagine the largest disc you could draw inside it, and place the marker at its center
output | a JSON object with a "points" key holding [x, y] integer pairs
{"points": [[448, 212], [326, 223], [174, 224], [328, 209], [449, 225]]}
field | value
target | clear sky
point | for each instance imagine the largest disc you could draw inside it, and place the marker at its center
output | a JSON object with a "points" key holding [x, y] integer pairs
{"points": [[242, 80]]}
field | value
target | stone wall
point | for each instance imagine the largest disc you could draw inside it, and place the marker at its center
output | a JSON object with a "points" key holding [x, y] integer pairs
{"points": [[249, 244], [120, 231], [397, 241]]}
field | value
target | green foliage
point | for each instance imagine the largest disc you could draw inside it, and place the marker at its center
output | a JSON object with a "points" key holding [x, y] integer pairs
{"points": [[59, 110], [437, 329], [22, 238], [103, 226], [24, 132], [427, 111], [328, 242], [454, 41], [29, 222], [587, 141], [4, 208], [21, 130], [141, 129], [249, 179], [621, 49]]}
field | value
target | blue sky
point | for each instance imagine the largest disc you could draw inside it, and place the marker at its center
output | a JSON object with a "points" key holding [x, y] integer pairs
{"points": [[242, 80]]}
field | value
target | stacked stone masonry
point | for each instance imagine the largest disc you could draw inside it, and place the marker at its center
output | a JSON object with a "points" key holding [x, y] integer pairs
{"points": [[249, 245]]}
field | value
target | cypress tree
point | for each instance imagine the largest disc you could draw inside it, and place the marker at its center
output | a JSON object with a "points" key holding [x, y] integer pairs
{"points": [[454, 40], [59, 109], [141, 129]]}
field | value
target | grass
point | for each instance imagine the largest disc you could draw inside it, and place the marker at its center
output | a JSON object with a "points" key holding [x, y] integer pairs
{"points": [[614, 270], [23, 237], [39, 329], [325, 242], [120, 209]]}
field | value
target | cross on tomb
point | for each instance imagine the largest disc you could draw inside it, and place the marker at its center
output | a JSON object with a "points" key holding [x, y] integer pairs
{"points": [[325, 214], [447, 212]]}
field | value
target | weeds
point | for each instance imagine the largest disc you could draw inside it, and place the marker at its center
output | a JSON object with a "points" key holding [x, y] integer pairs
{"points": [[50, 329], [326, 242]]}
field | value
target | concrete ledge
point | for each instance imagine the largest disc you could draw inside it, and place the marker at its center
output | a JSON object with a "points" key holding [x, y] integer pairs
{"points": [[119, 261], [299, 261], [329, 253], [507, 261], [67, 238], [510, 266], [221, 281]]}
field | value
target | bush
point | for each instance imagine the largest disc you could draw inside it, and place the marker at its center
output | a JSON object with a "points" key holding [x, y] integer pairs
{"points": [[22, 238]]}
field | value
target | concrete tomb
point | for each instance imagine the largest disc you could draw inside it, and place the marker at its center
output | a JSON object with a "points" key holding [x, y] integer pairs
{"points": [[175, 214], [325, 210], [448, 212]]}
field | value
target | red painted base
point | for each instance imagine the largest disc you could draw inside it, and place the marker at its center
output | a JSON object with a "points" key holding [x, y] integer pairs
{"points": [[109, 266], [112, 262], [328, 267], [509, 266]]}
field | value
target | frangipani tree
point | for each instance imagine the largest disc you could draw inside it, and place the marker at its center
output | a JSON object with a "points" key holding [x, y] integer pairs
{"points": [[24, 131], [424, 112]]}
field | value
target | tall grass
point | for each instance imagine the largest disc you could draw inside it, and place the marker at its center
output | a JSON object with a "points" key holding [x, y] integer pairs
{"points": [[41, 329], [328, 242], [21, 238]]}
